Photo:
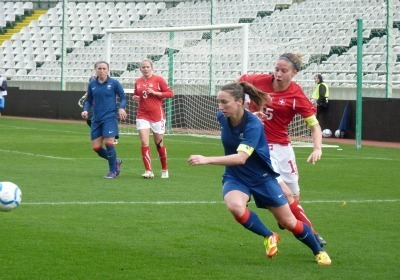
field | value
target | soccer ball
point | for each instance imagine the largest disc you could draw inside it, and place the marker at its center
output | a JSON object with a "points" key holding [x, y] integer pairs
{"points": [[337, 134], [326, 133], [10, 196]]}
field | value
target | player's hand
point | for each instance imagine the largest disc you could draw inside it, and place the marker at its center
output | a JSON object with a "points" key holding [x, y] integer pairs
{"points": [[269, 100], [315, 156], [84, 114], [261, 115], [152, 91], [197, 160], [136, 98], [122, 114]]}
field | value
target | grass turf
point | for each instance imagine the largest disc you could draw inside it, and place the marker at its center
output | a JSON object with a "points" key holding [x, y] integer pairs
{"points": [[73, 224]]}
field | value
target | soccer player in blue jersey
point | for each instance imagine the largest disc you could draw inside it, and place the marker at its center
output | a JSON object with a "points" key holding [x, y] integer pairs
{"points": [[101, 94], [249, 172]]}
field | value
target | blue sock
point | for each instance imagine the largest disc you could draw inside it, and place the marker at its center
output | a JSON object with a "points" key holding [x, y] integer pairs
{"points": [[252, 222], [308, 238], [102, 153], [112, 158]]}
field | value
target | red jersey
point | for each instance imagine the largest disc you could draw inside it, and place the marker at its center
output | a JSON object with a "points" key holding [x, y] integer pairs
{"points": [[150, 105], [285, 105]]}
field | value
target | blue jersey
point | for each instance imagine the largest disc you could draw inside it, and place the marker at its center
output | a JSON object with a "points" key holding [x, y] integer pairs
{"points": [[102, 96], [251, 134]]}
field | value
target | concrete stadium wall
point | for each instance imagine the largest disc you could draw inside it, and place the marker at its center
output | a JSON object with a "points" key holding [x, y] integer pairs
{"points": [[380, 116]]}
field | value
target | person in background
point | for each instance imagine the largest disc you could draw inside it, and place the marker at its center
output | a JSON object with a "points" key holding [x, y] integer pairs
{"points": [[102, 95], [248, 171], [320, 95], [81, 101], [3, 92], [150, 90], [286, 99]]}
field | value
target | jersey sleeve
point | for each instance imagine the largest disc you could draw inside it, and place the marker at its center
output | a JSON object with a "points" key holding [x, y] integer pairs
{"points": [[166, 91], [135, 91], [306, 109], [251, 135], [247, 78], [121, 94], [87, 104]]}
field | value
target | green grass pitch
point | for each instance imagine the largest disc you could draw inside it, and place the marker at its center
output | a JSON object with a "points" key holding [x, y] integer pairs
{"points": [[73, 224]]}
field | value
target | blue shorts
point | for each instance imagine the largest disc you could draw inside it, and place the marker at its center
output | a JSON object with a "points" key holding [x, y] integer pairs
{"points": [[107, 128], [267, 193]]}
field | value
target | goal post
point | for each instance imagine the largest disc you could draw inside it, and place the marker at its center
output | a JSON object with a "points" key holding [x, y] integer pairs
{"points": [[193, 109], [195, 61]]}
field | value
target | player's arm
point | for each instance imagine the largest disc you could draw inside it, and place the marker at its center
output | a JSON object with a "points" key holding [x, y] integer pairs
{"points": [[82, 100], [243, 153], [122, 101], [316, 135], [87, 104], [135, 95], [164, 90], [235, 159]]}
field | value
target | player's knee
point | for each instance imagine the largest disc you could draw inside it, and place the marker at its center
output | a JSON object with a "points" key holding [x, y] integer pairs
{"points": [[109, 142], [97, 148], [236, 209], [288, 223], [159, 144]]}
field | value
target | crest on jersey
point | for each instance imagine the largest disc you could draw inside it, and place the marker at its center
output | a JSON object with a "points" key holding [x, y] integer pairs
{"points": [[281, 101]]}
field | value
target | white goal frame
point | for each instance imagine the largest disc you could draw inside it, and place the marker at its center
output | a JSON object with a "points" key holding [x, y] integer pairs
{"points": [[244, 26], [301, 136]]}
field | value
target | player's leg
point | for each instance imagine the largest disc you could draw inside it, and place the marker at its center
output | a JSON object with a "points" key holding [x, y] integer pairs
{"points": [[158, 134], [110, 129], [236, 197], [143, 127], [284, 162], [301, 231], [97, 140]]}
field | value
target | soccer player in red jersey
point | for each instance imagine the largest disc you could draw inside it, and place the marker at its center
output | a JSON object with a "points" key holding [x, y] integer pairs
{"points": [[150, 90], [286, 100]]}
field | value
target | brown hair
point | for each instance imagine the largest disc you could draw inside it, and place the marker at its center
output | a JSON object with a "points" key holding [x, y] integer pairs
{"points": [[238, 91], [296, 59], [101, 62]]}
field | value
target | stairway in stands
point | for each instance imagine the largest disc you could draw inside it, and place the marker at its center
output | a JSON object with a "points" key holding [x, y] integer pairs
{"points": [[19, 25]]}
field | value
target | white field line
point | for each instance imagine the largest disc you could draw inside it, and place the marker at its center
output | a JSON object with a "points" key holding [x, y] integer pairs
{"points": [[197, 202], [43, 129], [135, 159], [34, 155]]}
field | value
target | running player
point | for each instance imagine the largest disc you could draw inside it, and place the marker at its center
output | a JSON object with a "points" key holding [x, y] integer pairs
{"points": [[286, 100], [249, 172]]}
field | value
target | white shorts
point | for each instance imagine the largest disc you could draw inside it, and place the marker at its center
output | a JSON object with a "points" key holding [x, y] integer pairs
{"points": [[156, 127], [283, 161]]}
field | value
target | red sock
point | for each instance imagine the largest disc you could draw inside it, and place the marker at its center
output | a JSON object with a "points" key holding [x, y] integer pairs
{"points": [[146, 156], [162, 154], [298, 212], [244, 218], [298, 229]]}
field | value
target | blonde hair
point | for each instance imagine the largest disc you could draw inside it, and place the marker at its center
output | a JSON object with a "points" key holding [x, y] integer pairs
{"points": [[147, 60]]}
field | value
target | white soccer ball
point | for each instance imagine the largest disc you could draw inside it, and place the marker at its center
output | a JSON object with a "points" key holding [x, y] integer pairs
{"points": [[326, 133], [337, 133], [10, 196]]}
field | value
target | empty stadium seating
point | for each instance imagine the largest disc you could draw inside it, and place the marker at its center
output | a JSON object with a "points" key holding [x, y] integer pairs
{"points": [[35, 51]]}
